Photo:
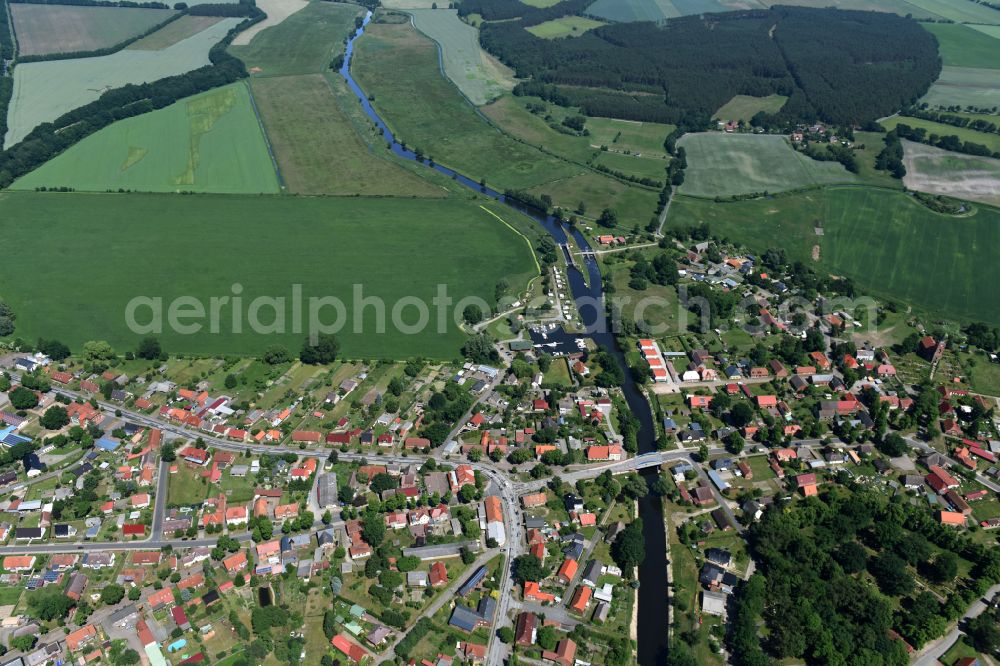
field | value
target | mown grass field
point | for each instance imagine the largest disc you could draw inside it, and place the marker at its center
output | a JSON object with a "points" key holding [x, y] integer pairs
{"points": [[649, 167], [44, 29], [745, 107], [965, 86], [961, 46], [629, 135], [726, 164], [478, 75], [207, 143], [964, 133], [567, 26], [634, 205], [123, 246], [398, 67], [317, 148], [930, 169], [43, 91], [304, 43], [173, 32], [889, 244]]}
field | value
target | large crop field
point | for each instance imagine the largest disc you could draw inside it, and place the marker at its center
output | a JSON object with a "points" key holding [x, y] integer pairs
{"points": [[624, 11], [889, 244], [992, 141], [965, 86], [567, 26], [122, 246], [726, 164], [745, 107], [398, 66], [207, 143], [304, 43], [318, 150], [277, 11], [174, 32], [937, 171], [477, 74], [960, 11], [961, 46], [901, 7], [45, 29], [43, 91]]}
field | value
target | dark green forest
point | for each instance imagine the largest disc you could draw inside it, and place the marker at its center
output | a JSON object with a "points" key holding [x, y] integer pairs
{"points": [[837, 581], [842, 67]]}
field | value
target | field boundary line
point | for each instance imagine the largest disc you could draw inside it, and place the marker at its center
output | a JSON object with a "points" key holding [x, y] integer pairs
{"points": [[534, 257], [263, 131]]}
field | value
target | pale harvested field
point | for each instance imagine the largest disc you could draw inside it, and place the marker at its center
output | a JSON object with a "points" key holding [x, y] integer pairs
{"points": [[174, 32], [43, 91], [47, 29], [276, 10], [477, 74], [930, 169]]}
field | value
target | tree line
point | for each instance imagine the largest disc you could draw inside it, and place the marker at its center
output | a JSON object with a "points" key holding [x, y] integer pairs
{"points": [[6, 53], [49, 139], [843, 67], [946, 142]]}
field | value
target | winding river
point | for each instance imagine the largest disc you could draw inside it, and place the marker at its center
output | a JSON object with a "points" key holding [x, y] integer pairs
{"points": [[653, 599]]}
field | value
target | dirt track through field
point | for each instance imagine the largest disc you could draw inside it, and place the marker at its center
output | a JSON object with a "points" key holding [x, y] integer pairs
{"points": [[276, 10]]}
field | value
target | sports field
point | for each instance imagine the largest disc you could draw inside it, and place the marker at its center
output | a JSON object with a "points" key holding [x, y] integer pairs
{"points": [[961, 46], [745, 107], [937, 171], [207, 143], [304, 43], [726, 164], [567, 26], [45, 29], [318, 150], [398, 66], [629, 135], [43, 91], [889, 244], [643, 167], [477, 74], [166, 246], [992, 141], [965, 86], [175, 31]]}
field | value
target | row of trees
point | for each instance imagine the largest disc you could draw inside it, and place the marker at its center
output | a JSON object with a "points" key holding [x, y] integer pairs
{"points": [[843, 67]]}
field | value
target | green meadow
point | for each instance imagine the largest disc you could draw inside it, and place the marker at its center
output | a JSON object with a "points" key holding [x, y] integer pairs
{"points": [[726, 164], [207, 143], [962, 46], [102, 250], [889, 244], [304, 43]]}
